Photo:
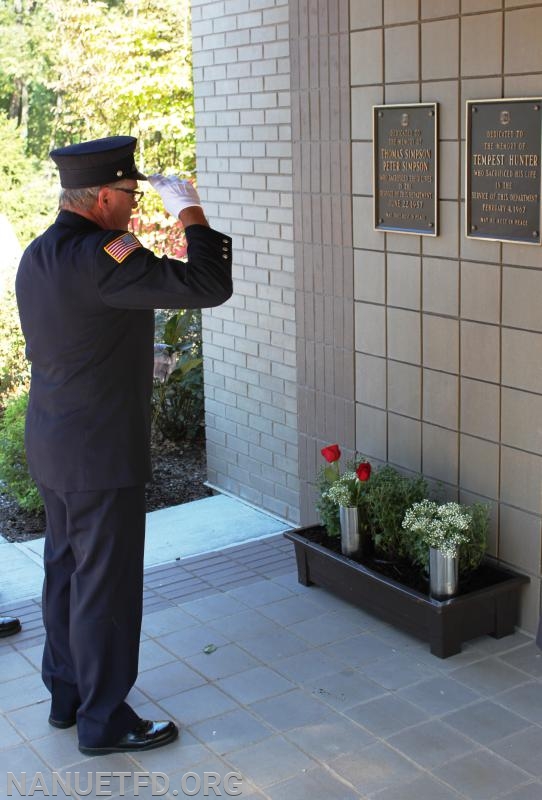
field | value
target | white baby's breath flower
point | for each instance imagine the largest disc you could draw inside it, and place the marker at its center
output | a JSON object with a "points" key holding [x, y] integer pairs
{"points": [[442, 527]]}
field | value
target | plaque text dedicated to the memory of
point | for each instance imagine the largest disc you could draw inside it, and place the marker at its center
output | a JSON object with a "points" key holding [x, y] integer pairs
{"points": [[503, 170], [405, 168]]}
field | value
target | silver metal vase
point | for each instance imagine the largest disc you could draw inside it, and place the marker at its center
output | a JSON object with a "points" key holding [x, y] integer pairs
{"points": [[443, 574], [351, 540]]}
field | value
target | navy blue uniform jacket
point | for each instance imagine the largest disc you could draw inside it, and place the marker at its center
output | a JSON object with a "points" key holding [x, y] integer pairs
{"points": [[88, 322]]}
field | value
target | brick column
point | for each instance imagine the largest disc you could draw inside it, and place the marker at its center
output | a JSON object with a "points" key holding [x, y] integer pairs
{"points": [[320, 62], [242, 98]]}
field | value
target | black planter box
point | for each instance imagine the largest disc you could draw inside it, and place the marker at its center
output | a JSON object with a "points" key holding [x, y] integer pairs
{"points": [[445, 624]]}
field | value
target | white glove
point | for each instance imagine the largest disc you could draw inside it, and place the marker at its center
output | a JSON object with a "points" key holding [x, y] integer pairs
{"points": [[176, 194]]}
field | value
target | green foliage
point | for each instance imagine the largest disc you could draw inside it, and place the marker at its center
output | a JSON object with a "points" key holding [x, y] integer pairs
{"points": [[384, 500], [73, 70], [26, 54], [14, 368], [389, 496], [13, 467], [14, 163], [328, 509], [126, 69], [177, 401], [40, 122], [27, 199], [472, 552]]}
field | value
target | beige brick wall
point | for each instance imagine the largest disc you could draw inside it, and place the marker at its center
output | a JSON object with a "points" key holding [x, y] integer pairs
{"points": [[448, 330], [424, 352], [244, 165]]}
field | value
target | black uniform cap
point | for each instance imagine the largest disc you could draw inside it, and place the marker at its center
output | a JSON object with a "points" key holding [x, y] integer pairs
{"points": [[97, 162]]}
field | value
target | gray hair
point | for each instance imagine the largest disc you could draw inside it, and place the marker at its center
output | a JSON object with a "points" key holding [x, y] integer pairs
{"points": [[78, 198]]}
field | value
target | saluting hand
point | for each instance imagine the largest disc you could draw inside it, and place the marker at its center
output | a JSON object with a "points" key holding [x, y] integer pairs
{"points": [[176, 193]]}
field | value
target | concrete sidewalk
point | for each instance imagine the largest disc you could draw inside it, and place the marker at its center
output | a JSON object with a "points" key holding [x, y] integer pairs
{"points": [[299, 693], [176, 532]]}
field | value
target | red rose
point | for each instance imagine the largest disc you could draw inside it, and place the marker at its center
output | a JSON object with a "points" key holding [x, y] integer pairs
{"points": [[331, 453], [363, 471]]}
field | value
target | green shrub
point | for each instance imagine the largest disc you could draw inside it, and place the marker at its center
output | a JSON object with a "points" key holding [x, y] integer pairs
{"points": [[13, 467], [383, 500], [472, 553], [328, 510], [178, 401], [29, 197], [388, 497], [14, 368]]}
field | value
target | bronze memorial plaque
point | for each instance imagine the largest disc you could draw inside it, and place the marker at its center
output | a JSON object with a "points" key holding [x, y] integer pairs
{"points": [[502, 188], [405, 168]]}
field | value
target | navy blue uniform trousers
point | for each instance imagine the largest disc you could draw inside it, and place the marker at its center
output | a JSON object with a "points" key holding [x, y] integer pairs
{"points": [[92, 607]]}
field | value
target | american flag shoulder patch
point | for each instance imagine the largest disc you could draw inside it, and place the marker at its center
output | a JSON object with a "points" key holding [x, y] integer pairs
{"points": [[121, 247]]}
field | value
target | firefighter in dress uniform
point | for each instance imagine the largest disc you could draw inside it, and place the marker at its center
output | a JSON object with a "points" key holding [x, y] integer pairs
{"points": [[87, 290]]}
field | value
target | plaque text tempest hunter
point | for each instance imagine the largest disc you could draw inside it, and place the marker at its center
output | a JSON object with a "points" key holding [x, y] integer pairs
{"points": [[405, 168], [502, 188]]}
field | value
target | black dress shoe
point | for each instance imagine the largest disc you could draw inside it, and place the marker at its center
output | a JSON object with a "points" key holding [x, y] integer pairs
{"points": [[145, 736], [9, 625], [62, 723]]}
